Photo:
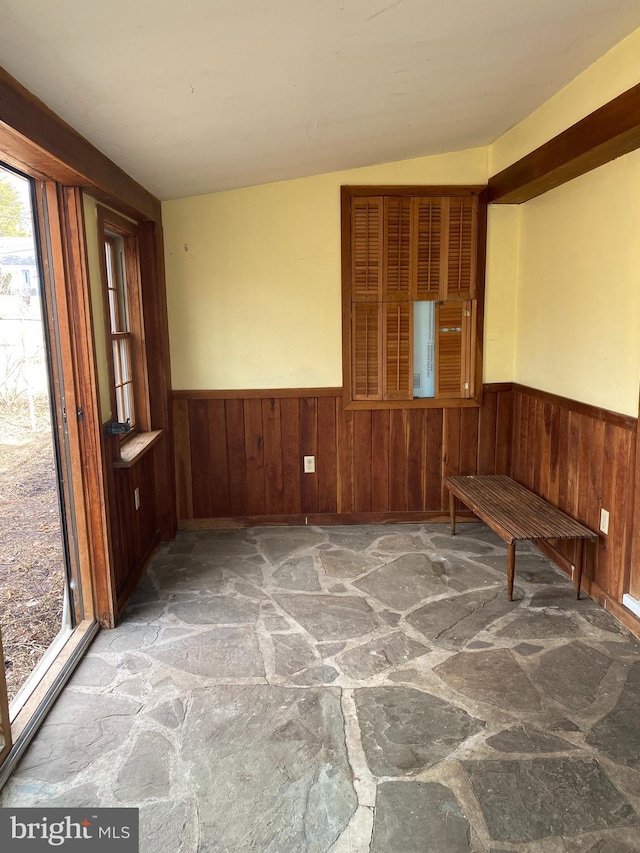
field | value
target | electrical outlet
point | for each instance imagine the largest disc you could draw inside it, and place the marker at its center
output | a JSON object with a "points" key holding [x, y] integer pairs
{"points": [[604, 521], [309, 464], [136, 496]]}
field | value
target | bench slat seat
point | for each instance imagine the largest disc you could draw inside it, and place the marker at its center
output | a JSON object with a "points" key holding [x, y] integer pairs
{"points": [[515, 513]]}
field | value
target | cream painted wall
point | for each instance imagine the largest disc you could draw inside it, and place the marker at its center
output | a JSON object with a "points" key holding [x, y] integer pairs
{"points": [[253, 277], [578, 300], [503, 236], [577, 329]]}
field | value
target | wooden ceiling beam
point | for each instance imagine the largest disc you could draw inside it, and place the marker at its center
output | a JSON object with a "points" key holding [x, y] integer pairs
{"points": [[602, 136], [34, 138]]}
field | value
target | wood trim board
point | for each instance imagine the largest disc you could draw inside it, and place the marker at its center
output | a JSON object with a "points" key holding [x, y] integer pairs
{"points": [[602, 136]]}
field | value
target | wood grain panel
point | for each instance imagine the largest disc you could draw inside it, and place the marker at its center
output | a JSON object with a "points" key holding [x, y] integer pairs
{"points": [[273, 474], [236, 450], [581, 459], [291, 462], [388, 464], [416, 450], [380, 470], [218, 459], [327, 456], [308, 446], [362, 460], [241, 457], [398, 460], [254, 456], [200, 468]]}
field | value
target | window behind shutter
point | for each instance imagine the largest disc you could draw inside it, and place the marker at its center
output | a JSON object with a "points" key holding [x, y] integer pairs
{"points": [[461, 254], [398, 350], [366, 351], [366, 248], [427, 244], [397, 256], [452, 348]]}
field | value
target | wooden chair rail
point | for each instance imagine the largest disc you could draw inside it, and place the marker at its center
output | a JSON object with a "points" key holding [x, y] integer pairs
{"points": [[515, 513]]}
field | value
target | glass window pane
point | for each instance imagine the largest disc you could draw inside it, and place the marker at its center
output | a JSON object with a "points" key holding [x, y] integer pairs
{"points": [[117, 371], [424, 349]]}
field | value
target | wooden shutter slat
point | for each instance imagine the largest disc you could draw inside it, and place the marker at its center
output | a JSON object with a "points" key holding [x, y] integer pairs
{"points": [[366, 248], [461, 247], [427, 231], [366, 351], [397, 255], [453, 325], [398, 350]]}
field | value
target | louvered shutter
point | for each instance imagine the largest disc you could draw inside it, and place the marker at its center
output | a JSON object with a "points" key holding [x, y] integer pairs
{"points": [[462, 225], [453, 325], [427, 272], [366, 248], [397, 255], [398, 350], [366, 351]]}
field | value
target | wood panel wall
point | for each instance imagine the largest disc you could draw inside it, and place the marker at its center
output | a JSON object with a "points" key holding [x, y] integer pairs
{"points": [[134, 532], [239, 461], [581, 459], [240, 457]]}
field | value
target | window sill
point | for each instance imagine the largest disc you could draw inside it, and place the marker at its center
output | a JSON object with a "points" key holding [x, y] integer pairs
{"points": [[416, 403], [136, 447]]}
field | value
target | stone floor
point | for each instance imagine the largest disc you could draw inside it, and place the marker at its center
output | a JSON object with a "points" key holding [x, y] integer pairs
{"points": [[352, 689]]}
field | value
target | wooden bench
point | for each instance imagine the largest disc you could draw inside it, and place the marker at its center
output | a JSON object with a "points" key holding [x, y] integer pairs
{"points": [[515, 513]]}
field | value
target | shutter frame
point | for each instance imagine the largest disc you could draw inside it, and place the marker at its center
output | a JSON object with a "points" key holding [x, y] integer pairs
{"points": [[367, 215], [397, 344], [427, 230], [366, 350], [453, 349], [461, 248]]}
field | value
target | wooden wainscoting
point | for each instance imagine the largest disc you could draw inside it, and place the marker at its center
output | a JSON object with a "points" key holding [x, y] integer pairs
{"points": [[239, 456], [135, 533], [581, 459]]}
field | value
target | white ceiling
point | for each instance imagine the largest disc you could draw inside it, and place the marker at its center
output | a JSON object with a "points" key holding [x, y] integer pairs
{"points": [[196, 96]]}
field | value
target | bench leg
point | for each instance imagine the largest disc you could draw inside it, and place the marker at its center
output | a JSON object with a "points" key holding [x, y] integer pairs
{"points": [[511, 567], [452, 512], [579, 563]]}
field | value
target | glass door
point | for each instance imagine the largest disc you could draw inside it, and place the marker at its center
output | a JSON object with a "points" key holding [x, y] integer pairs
{"points": [[37, 607]]}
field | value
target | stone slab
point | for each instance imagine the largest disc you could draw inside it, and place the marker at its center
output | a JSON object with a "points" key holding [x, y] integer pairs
{"points": [[219, 653], [277, 546], [404, 582], [452, 622], [269, 767], [330, 617], [571, 674], [537, 798], [216, 610], [377, 656], [493, 676], [339, 563], [404, 731], [617, 735], [297, 573], [80, 728], [145, 775], [418, 817], [540, 625], [292, 653], [524, 739]]}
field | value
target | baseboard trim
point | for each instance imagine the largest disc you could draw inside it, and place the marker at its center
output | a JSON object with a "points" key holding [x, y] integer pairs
{"points": [[321, 518]]}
